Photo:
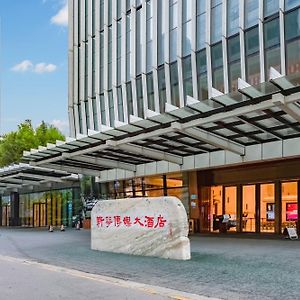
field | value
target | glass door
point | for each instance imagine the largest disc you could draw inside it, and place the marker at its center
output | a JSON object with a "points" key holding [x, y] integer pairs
{"points": [[43, 214], [267, 207], [248, 208], [230, 216], [36, 215]]}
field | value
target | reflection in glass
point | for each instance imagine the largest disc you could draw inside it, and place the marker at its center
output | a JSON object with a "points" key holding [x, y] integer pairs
{"points": [[267, 207], [248, 213], [289, 205], [230, 207]]}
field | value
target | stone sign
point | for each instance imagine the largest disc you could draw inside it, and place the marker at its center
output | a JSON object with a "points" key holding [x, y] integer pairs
{"points": [[141, 226]]}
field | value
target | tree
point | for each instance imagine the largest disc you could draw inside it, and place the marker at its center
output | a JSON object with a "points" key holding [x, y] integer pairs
{"points": [[24, 138]]}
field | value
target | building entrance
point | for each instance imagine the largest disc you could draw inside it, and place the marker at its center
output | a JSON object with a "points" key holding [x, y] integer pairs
{"points": [[39, 215], [5, 215]]}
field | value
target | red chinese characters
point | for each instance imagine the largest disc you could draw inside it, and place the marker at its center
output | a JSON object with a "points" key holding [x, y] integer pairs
{"points": [[149, 222]]}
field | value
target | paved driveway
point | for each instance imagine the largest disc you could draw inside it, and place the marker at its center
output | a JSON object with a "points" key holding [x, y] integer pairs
{"points": [[227, 268]]}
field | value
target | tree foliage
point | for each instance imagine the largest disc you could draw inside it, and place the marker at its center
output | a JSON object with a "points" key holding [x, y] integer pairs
{"points": [[24, 138]]}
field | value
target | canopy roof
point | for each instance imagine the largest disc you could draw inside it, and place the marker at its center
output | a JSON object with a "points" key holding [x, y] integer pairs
{"points": [[252, 115]]}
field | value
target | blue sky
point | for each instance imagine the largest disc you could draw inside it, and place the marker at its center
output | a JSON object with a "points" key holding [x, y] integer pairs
{"points": [[33, 54]]}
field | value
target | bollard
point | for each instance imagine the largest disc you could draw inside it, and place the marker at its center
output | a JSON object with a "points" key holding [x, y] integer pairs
{"points": [[62, 227], [78, 225], [50, 228]]}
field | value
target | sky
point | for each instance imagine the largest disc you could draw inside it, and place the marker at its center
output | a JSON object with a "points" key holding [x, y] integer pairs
{"points": [[33, 63]]}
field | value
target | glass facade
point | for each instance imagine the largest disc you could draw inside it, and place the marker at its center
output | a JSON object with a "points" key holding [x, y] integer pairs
{"points": [[46, 208], [129, 43]]}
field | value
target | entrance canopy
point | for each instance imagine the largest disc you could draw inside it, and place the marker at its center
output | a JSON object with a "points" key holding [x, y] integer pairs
{"points": [[22, 176], [253, 115]]}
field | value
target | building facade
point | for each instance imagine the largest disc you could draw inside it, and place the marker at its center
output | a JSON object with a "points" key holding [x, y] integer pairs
{"points": [[189, 98], [130, 58]]}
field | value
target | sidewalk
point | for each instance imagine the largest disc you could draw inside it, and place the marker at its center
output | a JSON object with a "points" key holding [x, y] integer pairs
{"points": [[227, 268]]}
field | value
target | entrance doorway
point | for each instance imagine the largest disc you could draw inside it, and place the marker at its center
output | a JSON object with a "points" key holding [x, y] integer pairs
{"points": [[39, 215], [5, 215]]}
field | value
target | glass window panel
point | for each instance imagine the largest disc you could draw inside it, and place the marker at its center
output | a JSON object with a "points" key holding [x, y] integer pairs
{"points": [[216, 23], [289, 214], [291, 3], [174, 84], [293, 57], [102, 109], [232, 17], [267, 208], [270, 7], [160, 32], [271, 33], [187, 77], [248, 210], [150, 92], [120, 104], [230, 207], [251, 41], [140, 101], [251, 15], [111, 109], [292, 24], [162, 89], [272, 59], [201, 31]]}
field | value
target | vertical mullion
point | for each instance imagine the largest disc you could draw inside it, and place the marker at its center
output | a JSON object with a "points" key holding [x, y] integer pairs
{"points": [[261, 41], [242, 39], [282, 37], [224, 46]]}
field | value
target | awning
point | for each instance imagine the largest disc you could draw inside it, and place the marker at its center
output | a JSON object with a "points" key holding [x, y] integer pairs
{"points": [[252, 115]]}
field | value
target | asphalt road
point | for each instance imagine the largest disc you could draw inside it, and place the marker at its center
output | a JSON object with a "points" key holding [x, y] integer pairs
{"points": [[27, 280], [221, 267]]}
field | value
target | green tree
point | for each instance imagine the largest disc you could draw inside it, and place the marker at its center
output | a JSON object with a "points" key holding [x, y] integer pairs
{"points": [[24, 138]]}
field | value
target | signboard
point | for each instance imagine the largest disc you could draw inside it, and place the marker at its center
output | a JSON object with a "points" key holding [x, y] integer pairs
{"points": [[291, 211], [292, 232], [270, 211]]}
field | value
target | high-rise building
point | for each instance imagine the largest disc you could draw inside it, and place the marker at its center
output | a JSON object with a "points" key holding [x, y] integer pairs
{"points": [[193, 98]]}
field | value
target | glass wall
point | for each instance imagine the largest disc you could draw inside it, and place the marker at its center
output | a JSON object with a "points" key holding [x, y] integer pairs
{"points": [[248, 208], [230, 207], [267, 207], [289, 205], [51, 207]]}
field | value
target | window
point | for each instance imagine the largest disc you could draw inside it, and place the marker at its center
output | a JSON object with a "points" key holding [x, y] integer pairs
{"points": [[102, 110], [234, 65], [252, 56], [120, 104], [217, 67], [267, 208], [173, 29], [232, 17], [119, 51], [174, 85], [162, 88], [95, 115], [139, 33], [201, 24], [272, 46], [111, 109], [149, 34], [271, 7], [291, 4], [187, 77], [216, 20], [129, 99], [292, 37], [150, 92], [128, 49], [186, 27], [140, 100], [109, 57], [202, 75], [160, 32], [251, 13]]}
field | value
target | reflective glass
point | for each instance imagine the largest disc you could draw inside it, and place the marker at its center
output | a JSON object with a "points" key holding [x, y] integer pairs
{"points": [[216, 22], [270, 7], [251, 13], [292, 24], [267, 208], [174, 84], [232, 17], [293, 57], [291, 3]]}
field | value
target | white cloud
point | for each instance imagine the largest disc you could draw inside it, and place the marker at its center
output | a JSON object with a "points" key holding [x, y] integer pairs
{"points": [[44, 68], [61, 18], [23, 66], [27, 65], [62, 125]]}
